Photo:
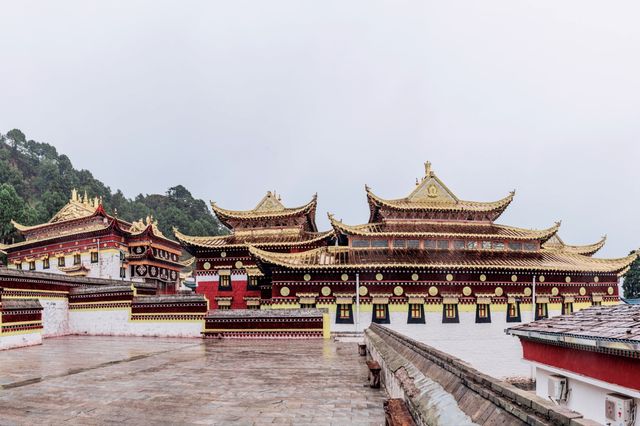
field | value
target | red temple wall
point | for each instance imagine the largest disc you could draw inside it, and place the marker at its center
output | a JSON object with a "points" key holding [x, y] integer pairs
{"points": [[238, 292]]}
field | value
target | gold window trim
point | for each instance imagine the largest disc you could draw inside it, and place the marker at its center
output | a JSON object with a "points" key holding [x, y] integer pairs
{"points": [[483, 301], [224, 272], [542, 299], [307, 300], [596, 298], [344, 300], [223, 301], [569, 299], [449, 300], [380, 300], [416, 300]]}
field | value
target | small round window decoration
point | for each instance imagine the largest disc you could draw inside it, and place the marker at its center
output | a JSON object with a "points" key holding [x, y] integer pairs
{"points": [[344, 277], [499, 292], [398, 290], [527, 291], [238, 264], [363, 290], [610, 290], [223, 254], [466, 291], [284, 291], [325, 291], [449, 277], [414, 277], [554, 291], [307, 277], [541, 278], [433, 290], [567, 279], [379, 277], [514, 278], [483, 277], [206, 266], [583, 291], [596, 279]]}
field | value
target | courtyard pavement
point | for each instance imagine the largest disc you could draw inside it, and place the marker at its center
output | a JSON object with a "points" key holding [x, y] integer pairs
{"points": [[159, 381]]}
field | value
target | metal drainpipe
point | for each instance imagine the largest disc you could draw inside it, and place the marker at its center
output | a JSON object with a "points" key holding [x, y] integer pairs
{"points": [[357, 302]]}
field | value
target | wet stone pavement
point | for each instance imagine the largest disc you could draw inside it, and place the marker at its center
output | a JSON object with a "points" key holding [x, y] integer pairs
{"points": [[101, 380]]}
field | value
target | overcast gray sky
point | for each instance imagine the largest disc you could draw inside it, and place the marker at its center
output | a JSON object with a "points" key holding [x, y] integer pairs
{"points": [[232, 98]]}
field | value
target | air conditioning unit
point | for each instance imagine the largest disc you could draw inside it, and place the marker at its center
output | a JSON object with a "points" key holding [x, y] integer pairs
{"points": [[619, 409], [558, 389]]}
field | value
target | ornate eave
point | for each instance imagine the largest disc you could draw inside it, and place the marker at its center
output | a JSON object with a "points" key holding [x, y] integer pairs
{"points": [[499, 231], [270, 207], [432, 195], [341, 258], [556, 243]]}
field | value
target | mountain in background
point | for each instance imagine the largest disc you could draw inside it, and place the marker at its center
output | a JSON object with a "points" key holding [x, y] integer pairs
{"points": [[36, 181]]}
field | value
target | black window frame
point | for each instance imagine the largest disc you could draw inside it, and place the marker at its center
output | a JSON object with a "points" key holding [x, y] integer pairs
{"points": [[61, 261], [455, 319], [32, 265], [252, 283], [123, 272], [77, 259], [339, 318], [483, 320], [564, 308], [517, 317], [45, 263], [411, 319], [19, 266], [94, 257], [227, 285], [374, 317], [545, 314]]}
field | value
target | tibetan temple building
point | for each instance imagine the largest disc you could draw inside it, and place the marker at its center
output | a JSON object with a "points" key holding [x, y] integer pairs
{"points": [[428, 257], [83, 240]]}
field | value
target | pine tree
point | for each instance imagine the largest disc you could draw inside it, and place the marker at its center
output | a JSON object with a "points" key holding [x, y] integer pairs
{"points": [[631, 284]]}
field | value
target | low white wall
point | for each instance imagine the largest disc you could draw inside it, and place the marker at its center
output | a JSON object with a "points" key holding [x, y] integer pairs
{"points": [[117, 323], [55, 317], [20, 340], [586, 396]]}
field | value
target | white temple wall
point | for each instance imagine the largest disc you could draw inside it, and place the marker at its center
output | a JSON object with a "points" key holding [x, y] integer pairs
{"points": [[55, 317], [11, 341]]}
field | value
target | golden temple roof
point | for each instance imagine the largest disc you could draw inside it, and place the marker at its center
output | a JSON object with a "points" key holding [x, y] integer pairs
{"points": [[91, 227], [431, 193], [269, 207], [340, 258], [433, 229], [556, 243], [259, 237], [140, 226]]}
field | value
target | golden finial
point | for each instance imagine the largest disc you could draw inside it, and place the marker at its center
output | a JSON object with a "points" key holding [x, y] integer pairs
{"points": [[86, 197], [74, 194], [427, 169]]}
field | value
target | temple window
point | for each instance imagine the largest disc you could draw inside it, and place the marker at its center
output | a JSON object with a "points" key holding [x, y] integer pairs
{"points": [[225, 282], [224, 307], [122, 255], [252, 282], [416, 313], [45, 263], [443, 244], [530, 246], [458, 244], [399, 243], [515, 246], [413, 244], [253, 306], [19, 265], [472, 245], [541, 311], [513, 312], [450, 313], [567, 308], [61, 261], [307, 305], [483, 313], [32, 265], [344, 314], [596, 303], [360, 243], [380, 313], [94, 257], [486, 245], [76, 259], [430, 244], [497, 245], [123, 272], [379, 243]]}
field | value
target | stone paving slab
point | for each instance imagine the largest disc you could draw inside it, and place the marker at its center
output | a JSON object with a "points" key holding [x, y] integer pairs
{"points": [[101, 380]]}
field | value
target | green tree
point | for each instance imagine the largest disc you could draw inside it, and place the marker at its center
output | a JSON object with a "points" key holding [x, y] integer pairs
{"points": [[12, 207], [631, 285]]}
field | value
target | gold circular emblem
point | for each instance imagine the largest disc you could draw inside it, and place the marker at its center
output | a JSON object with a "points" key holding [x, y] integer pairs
{"points": [[596, 279], [527, 291], [325, 291], [541, 278], [379, 277], [223, 254], [466, 291], [238, 264], [610, 290], [567, 279], [514, 278], [307, 277], [483, 277], [554, 291], [415, 277], [499, 291], [363, 291], [583, 291], [344, 277], [449, 277], [284, 291], [398, 290], [206, 266], [433, 291]]}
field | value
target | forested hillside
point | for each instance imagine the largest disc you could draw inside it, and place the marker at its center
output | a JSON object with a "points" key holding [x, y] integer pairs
{"points": [[36, 181]]}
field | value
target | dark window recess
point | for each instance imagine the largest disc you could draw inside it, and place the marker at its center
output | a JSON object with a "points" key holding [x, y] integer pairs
{"points": [[567, 308], [123, 272], [380, 313], [19, 265], [450, 313], [77, 259], [225, 282], [458, 244], [430, 244], [443, 244], [416, 313], [413, 244], [483, 313], [252, 282], [379, 243], [596, 303], [122, 255], [307, 305], [530, 246], [399, 243], [515, 246], [224, 307], [513, 312], [541, 311], [253, 306], [61, 261], [45, 263], [94, 257], [344, 314], [360, 243]]}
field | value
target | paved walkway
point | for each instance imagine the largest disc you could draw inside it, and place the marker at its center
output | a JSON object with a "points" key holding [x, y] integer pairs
{"points": [[97, 380]]}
